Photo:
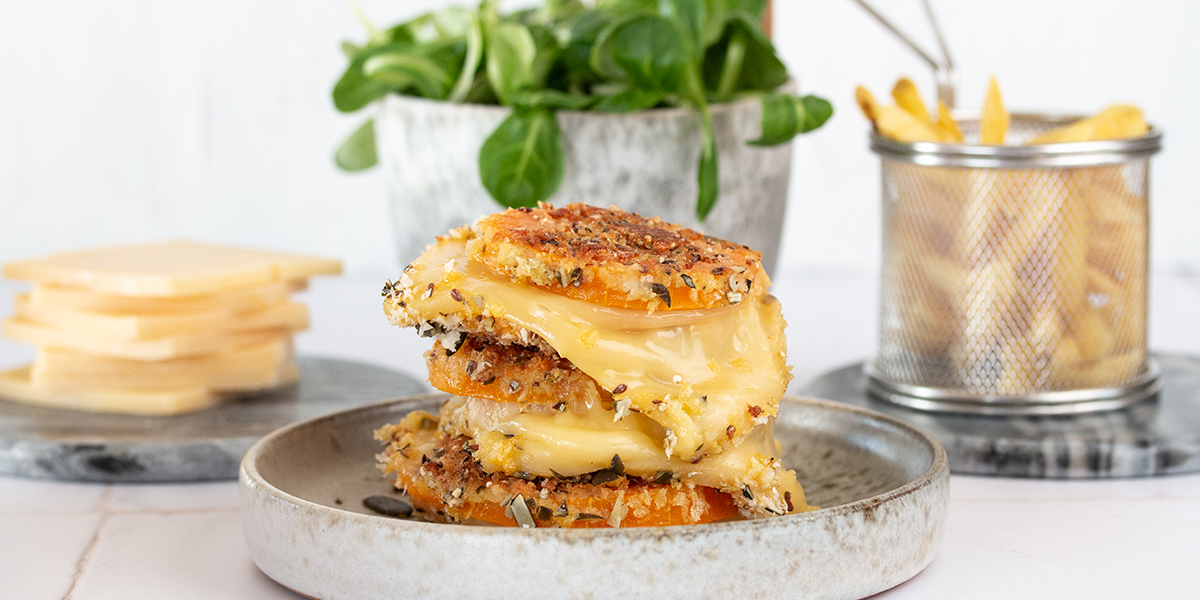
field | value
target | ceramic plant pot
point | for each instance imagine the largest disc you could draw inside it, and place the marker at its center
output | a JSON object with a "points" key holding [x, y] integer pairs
{"points": [[645, 162]]}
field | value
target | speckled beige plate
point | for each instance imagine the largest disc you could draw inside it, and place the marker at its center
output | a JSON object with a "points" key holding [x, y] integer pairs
{"points": [[884, 487]]}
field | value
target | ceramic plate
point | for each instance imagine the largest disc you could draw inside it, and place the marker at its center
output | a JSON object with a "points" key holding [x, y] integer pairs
{"points": [[883, 486]]}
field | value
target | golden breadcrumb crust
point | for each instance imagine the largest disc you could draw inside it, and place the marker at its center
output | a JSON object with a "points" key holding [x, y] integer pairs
{"points": [[614, 258], [444, 481], [510, 373]]}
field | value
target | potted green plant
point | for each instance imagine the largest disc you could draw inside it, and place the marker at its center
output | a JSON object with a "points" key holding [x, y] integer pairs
{"points": [[657, 106]]}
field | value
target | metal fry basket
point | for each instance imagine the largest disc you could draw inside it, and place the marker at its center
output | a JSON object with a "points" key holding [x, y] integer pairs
{"points": [[1014, 277]]}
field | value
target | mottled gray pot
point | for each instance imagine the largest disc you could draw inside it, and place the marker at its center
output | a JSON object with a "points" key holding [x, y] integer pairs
{"points": [[645, 162], [883, 486]]}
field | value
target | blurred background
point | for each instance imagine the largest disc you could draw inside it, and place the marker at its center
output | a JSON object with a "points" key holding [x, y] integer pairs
{"points": [[129, 120]]}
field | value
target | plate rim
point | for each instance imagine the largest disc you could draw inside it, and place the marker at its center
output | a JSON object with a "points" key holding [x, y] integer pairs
{"points": [[250, 478]]}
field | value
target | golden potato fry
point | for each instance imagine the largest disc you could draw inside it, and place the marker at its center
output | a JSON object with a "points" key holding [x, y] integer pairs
{"points": [[866, 102], [1116, 122], [1119, 367], [907, 97], [1095, 336], [896, 123], [993, 126], [1024, 368], [947, 122]]}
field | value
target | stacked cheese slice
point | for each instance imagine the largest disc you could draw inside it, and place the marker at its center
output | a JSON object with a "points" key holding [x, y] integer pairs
{"points": [[158, 328]]}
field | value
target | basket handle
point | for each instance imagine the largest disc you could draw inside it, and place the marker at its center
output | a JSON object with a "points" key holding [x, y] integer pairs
{"points": [[943, 71]]}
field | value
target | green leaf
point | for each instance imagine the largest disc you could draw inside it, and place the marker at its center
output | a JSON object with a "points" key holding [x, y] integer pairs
{"points": [[466, 75], [600, 58], [578, 34], [785, 116], [358, 151], [753, 8], [452, 23], [718, 15], [652, 53], [350, 50], [481, 91], [691, 16], [731, 67], [355, 90], [628, 100], [628, 8], [551, 99], [817, 111], [553, 11], [546, 54], [431, 79], [760, 68], [489, 18], [709, 176], [782, 118], [521, 163], [510, 55]]}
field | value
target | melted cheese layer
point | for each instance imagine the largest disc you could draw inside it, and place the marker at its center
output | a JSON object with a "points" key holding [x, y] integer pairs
{"points": [[549, 443], [708, 377]]}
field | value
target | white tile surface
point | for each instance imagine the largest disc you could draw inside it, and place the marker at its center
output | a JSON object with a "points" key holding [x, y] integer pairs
{"points": [[39, 554], [196, 556], [1064, 549], [49, 497], [221, 495], [964, 488]]}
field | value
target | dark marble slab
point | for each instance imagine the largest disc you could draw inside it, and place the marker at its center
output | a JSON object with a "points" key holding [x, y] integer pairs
{"points": [[47, 443], [1159, 436]]}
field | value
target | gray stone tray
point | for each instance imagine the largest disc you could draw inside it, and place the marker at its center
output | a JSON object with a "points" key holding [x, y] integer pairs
{"points": [[1160, 436], [47, 443]]}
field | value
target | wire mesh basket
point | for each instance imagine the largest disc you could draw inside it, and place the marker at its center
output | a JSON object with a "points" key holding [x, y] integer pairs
{"points": [[1014, 277]]}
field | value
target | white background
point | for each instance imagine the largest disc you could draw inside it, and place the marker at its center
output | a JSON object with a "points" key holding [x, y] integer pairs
{"points": [[125, 120]]}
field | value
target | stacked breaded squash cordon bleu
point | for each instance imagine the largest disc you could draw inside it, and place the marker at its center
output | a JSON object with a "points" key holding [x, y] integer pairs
{"points": [[606, 370]]}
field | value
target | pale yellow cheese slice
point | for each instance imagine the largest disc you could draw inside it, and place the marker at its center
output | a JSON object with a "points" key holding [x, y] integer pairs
{"points": [[550, 443], [130, 326], [39, 334], [708, 377], [177, 268], [16, 385], [249, 368], [248, 299]]}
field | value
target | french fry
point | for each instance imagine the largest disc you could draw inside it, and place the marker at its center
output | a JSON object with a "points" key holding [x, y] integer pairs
{"points": [[1095, 337], [1116, 122], [895, 122], [947, 122], [906, 96], [866, 103], [993, 126]]}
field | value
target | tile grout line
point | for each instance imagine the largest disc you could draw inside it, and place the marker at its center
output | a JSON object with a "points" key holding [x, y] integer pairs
{"points": [[1073, 499], [119, 511], [86, 558]]}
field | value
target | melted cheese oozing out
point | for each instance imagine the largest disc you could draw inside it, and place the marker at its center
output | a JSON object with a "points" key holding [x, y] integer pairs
{"points": [[710, 377], [549, 443]]}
